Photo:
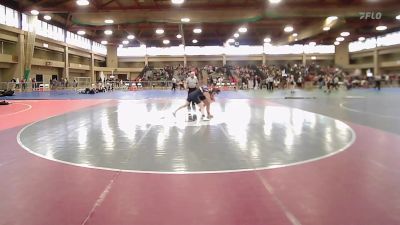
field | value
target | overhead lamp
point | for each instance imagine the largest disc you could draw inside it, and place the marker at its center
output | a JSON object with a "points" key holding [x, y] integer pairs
{"points": [[81, 32], [336, 43], [104, 42], [288, 29], [326, 28], [236, 35], [231, 40], [131, 37], [47, 17], [45, 45], [197, 30], [109, 21], [178, 36], [344, 34], [159, 31], [34, 12], [398, 17], [267, 40], [313, 57], [243, 30], [125, 42], [108, 32], [340, 39], [312, 43], [166, 42], [274, 1], [331, 19], [296, 39], [294, 34], [361, 39], [82, 2], [195, 41], [185, 20], [177, 1], [381, 28]]}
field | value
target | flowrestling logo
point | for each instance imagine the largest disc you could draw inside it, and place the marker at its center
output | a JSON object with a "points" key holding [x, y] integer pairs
{"points": [[370, 15]]}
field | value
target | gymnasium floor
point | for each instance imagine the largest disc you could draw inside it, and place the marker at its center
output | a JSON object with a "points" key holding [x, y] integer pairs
{"points": [[266, 158]]}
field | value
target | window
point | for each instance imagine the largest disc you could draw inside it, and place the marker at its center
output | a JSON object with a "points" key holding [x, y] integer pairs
{"points": [[362, 45], [2, 14]]}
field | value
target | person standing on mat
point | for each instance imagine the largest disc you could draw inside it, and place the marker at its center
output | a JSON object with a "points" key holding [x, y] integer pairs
{"points": [[192, 84], [203, 97]]}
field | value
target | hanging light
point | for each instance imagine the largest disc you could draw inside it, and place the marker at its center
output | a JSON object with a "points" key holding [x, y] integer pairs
{"points": [[34, 12], [82, 2]]}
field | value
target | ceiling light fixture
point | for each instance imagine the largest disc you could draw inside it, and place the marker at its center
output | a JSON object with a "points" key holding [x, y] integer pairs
{"points": [[288, 29], [398, 17], [344, 34], [165, 42], [125, 42], [331, 19], [131, 37], [294, 34], [47, 17], [185, 20], [178, 36], [274, 1], [361, 39], [197, 30], [159, 31], [81, 32], [296, 39], [340, 39], [243, 30], [313, 57], [326, 28], [267, 40], [108, 32], [381, 28], [236, 35], [109, 21], [104, 42], [195, 41], [34, 12], [336, 43], [82, 2], [177, 1]]}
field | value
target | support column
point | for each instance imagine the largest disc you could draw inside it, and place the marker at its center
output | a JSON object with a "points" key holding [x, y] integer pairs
{"points": [[66, 57], [342, 57], [223, 59], [304, 59], [21, 56], [146, 60], [376, 62], [92, 74], [264, 59], [112, 58], [184, 61]]}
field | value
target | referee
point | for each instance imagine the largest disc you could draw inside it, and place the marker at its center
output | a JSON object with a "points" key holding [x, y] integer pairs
{"points": [[192, 84]]}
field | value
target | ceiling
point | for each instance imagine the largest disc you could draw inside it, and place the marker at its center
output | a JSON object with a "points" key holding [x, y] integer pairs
{"points": [[218, 19]]}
